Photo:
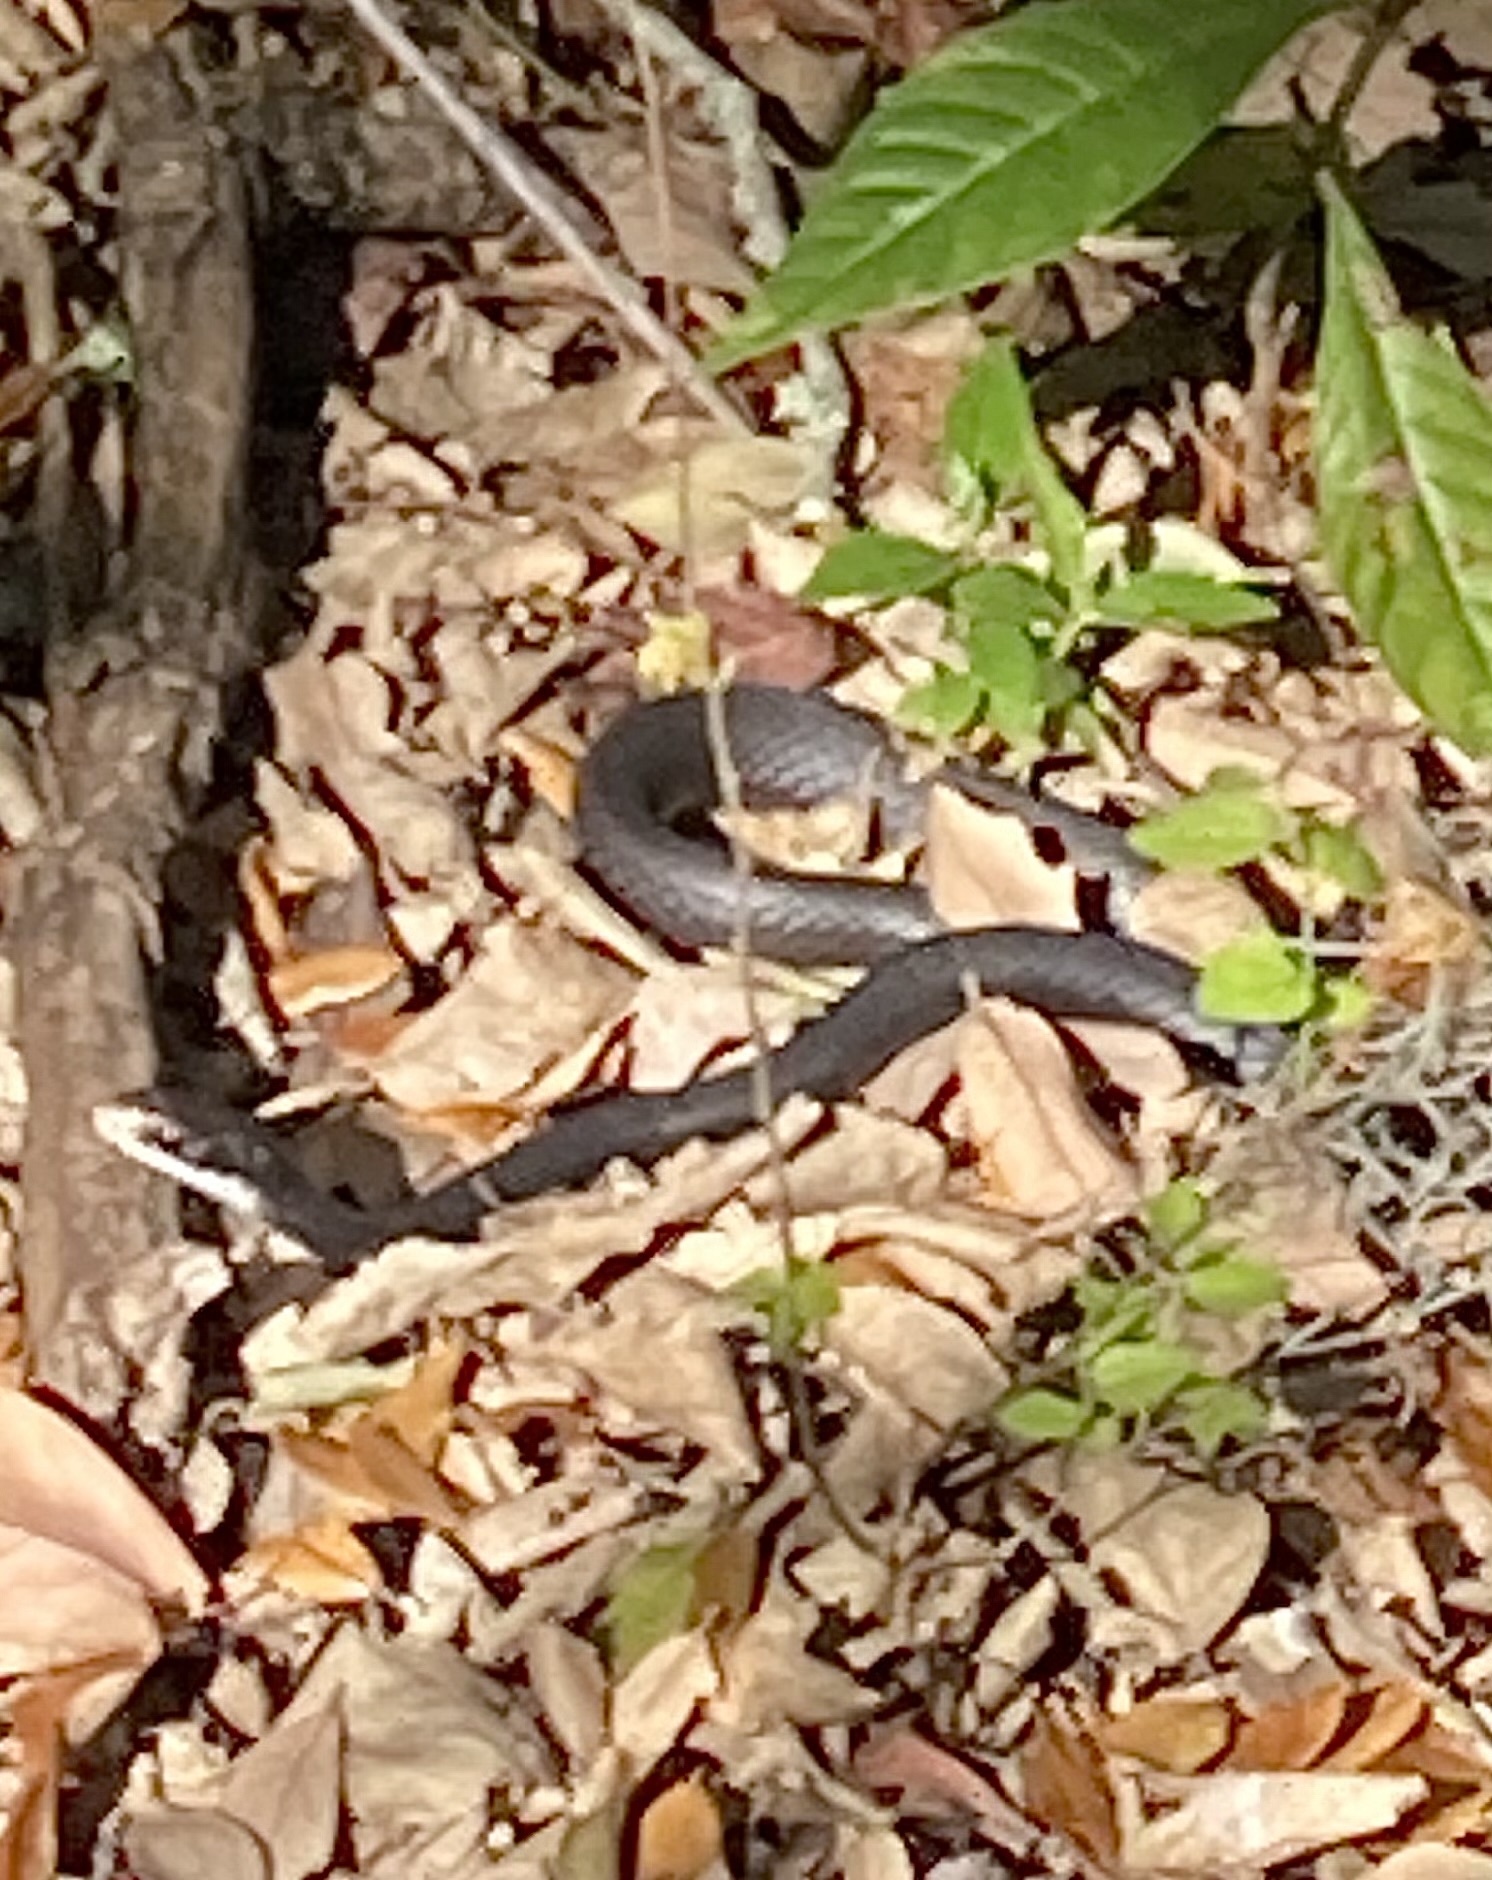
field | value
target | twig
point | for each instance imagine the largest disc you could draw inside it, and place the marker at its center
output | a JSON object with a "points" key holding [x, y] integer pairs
{"points": [[1387, 20], [539, 198]]}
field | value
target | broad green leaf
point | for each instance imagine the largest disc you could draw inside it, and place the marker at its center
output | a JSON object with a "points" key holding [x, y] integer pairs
{"points": [[1008, 669], [1257, 979], [651, 1599], [1185, 600], [1006, 146], [944, 705], [1337, 851], [1002, 595], [1403, 467], [874, 566], [1211, 1413], [1235, 1285], [991, 439], [1134, 1378], [1043, 1416], [1228, 822], [1176, 1214]]}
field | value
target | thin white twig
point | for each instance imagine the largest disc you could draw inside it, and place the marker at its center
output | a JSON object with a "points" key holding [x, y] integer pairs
{"points": [[540, 199]]}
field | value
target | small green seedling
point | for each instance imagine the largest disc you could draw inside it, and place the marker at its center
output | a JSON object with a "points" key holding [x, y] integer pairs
{"points": [[794, 1299], [1135, 1361], [1020, 626]]}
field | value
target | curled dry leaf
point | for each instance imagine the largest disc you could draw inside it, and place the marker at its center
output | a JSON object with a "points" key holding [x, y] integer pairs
{"points": [[1042, 1152], [982, 869]]}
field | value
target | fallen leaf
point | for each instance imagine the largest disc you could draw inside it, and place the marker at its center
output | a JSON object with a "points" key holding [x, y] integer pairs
{"points": [[1066, 1786], [679, 1833]]}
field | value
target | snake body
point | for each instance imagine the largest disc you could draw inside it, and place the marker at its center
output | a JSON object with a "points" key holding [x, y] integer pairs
{"points": [[646, 793]]}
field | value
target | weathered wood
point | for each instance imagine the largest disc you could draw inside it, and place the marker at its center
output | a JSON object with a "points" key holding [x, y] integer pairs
{"points": [[133, 699]]}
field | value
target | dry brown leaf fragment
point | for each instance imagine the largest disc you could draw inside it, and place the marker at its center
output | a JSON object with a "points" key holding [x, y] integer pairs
{"points": [[1179, 1733], [1393, 1713], [1042, 1152], [1465, 1411], [679, 1833], [1067, 1787], [767, 637], [1293, 1735], [931, 1779], [305, 984], [322, 1561]]}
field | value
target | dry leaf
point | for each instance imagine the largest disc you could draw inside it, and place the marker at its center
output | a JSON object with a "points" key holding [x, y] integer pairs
{"points": [[679, 1834], [1066, 1786], [323, 1561], [303, 985], [1181, 1734], [1042, 1153], [1293, 1735], [58, 1486]]}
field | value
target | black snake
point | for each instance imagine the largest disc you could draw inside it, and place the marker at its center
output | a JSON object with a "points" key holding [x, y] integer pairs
{"points": [[646, 792]]}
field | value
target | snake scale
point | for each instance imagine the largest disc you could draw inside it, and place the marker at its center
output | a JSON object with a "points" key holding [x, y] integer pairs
{"points": [[647, 790]]}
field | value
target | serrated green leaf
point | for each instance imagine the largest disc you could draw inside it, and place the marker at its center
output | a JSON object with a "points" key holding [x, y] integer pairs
{"points": [[1403, 464], [1235, 1285], [650, 1600], [1005, 147], [1176, 1214], [990, 435], [1212, 1413], [1136, 1377], [1337, 851], [943, 705], [1185, 600], [1228, 822], [1043, 1416], [1002, 595], [876, 566], [1257, 979]]}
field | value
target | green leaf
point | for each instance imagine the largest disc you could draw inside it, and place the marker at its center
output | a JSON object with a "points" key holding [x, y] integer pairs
{"points": [[1043, 1416], [1185, 600], [875, 566], [1229, 821], [1211, 1413], [1006, 146], [944, 705], [1337, 851], [1008, 669], [1177, 1214], [990, 438], [1002, 595], [1112, 1309], [1348, 1002], [1235, 1285], [1257, 979], [651, 1599], [795, 1301], [1135, 1378], [1403, 465]]}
